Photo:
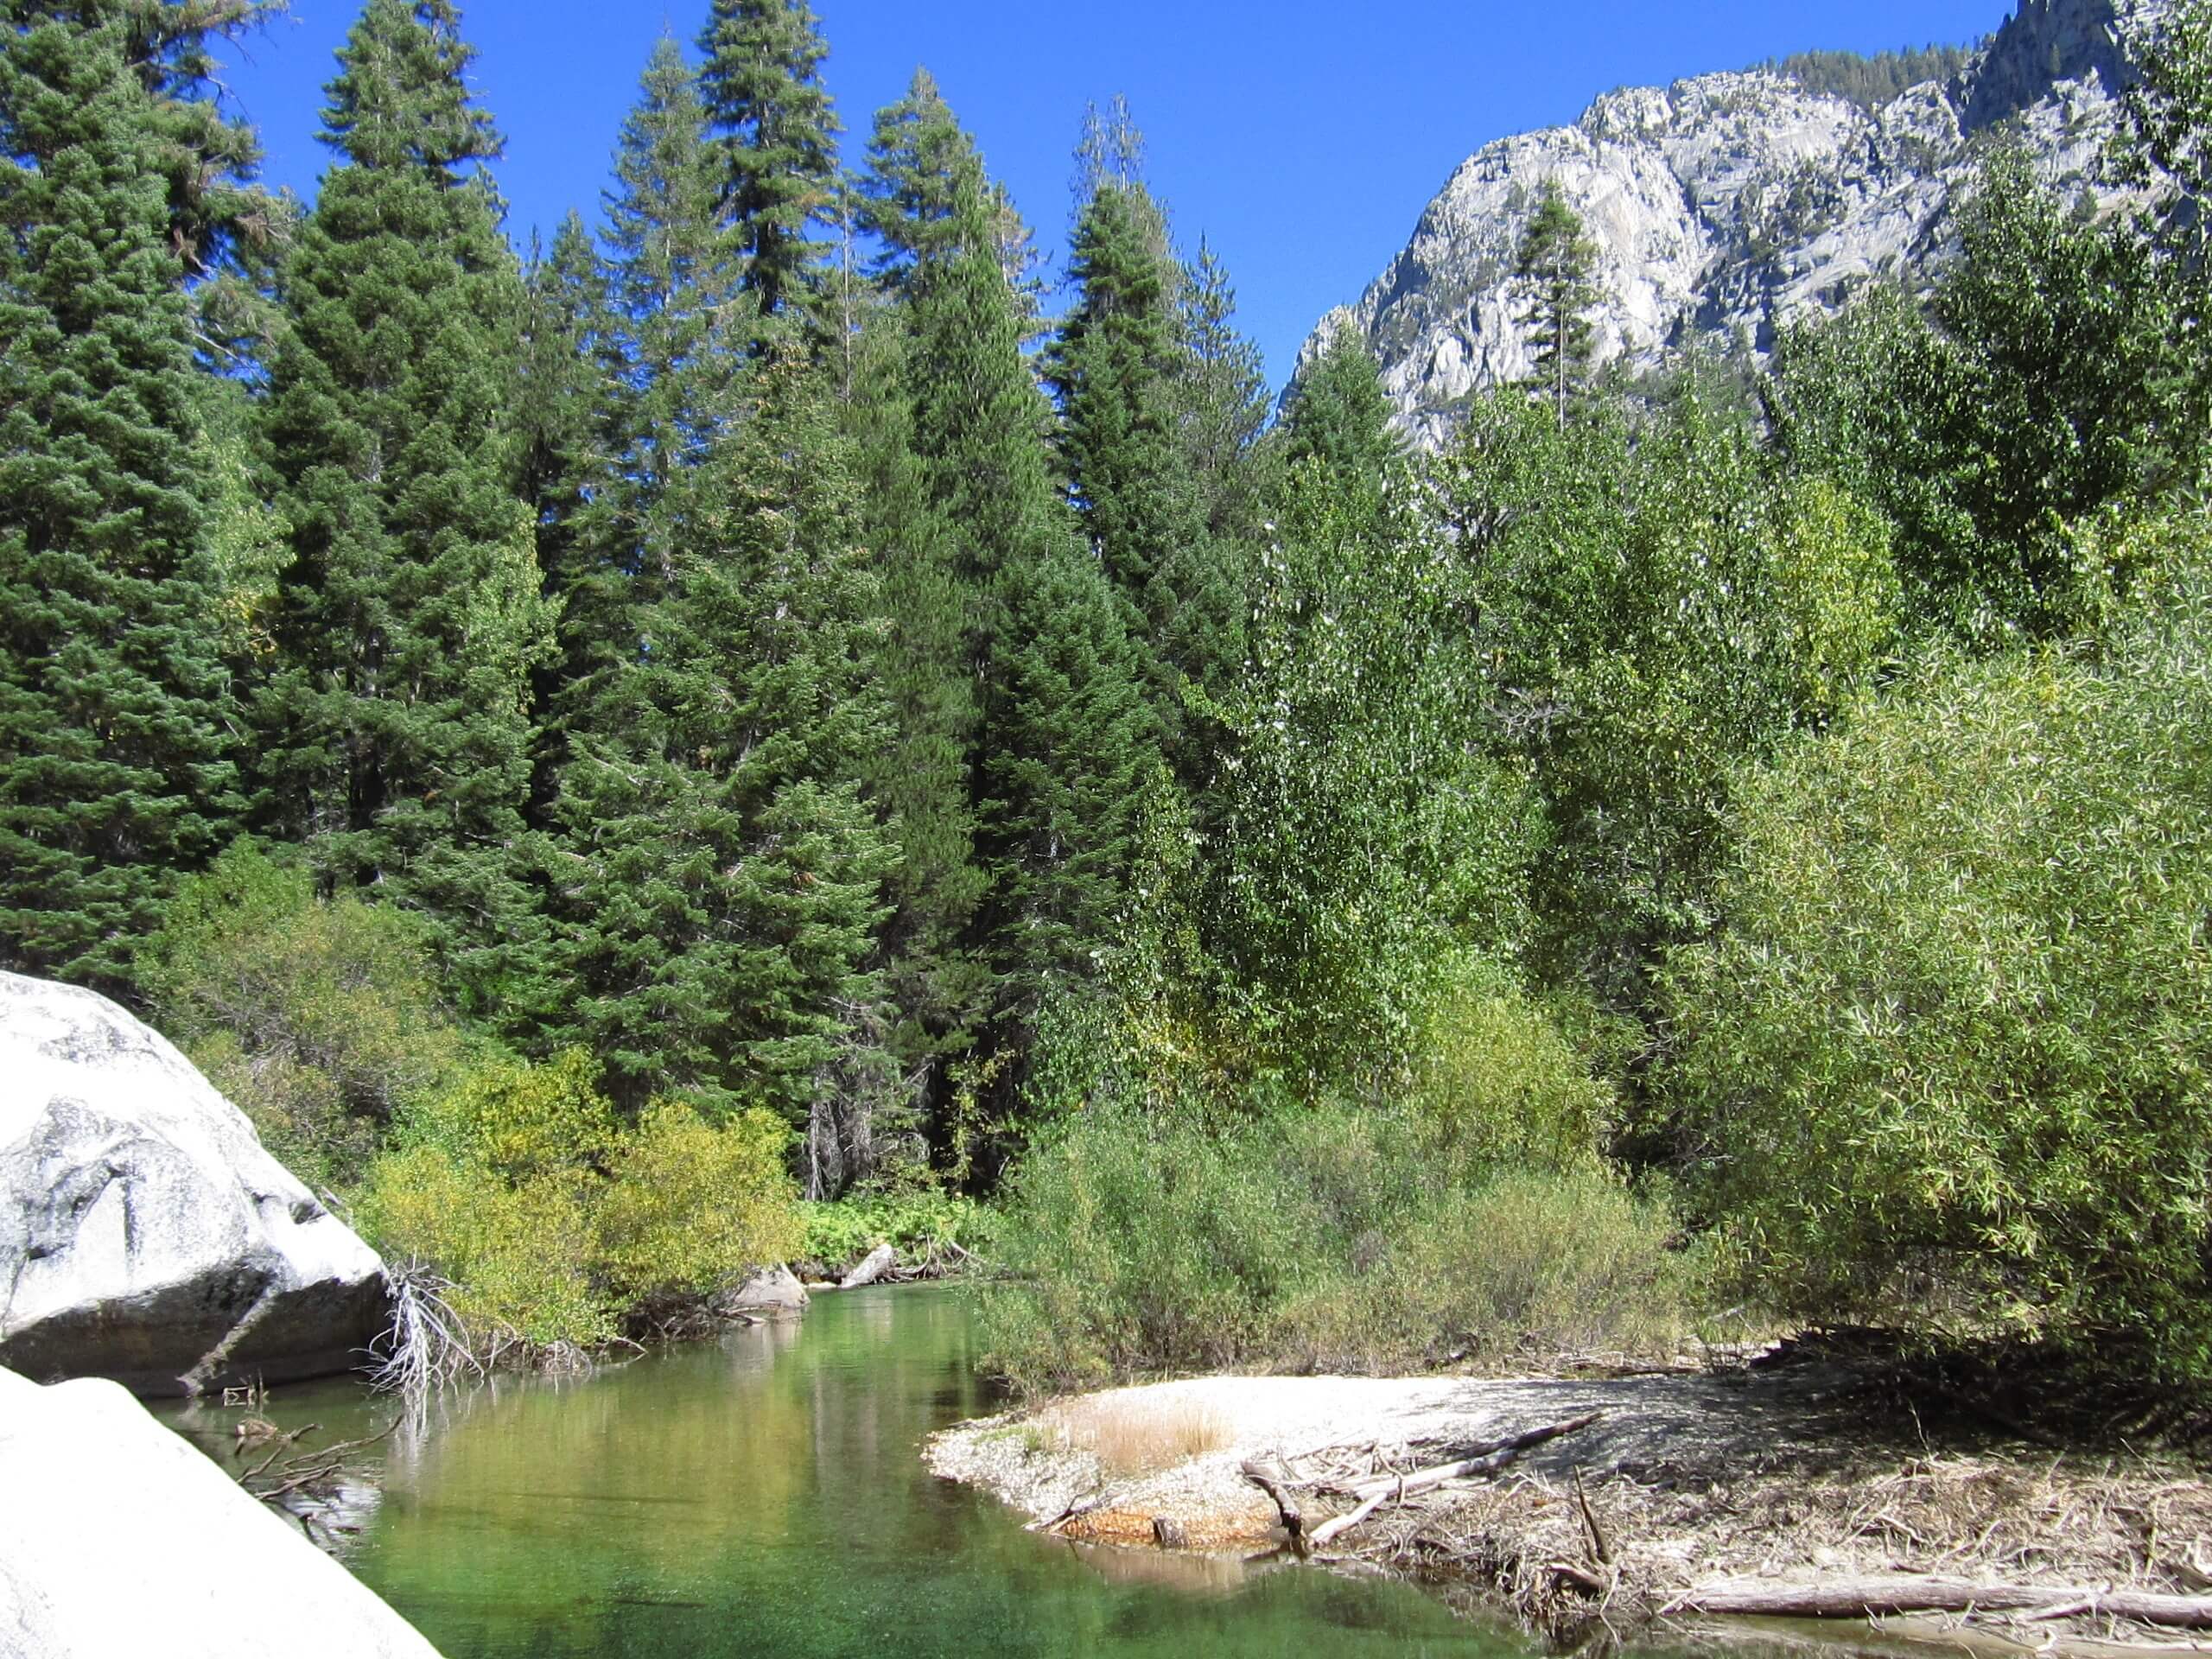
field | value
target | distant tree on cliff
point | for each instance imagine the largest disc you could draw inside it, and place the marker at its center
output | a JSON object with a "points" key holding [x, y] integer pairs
{"points": [[1553, 267]]}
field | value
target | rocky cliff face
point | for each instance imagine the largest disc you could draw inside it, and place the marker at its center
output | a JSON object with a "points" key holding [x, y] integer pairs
{"points": [[1725, 205]]}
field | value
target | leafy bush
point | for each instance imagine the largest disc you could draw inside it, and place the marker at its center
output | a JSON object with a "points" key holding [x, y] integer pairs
{"points": [[555, 1222], [925, 1227], [1950, 1048], [520, 1254], [1496, 1079], [1323, 1237], [318, 1017], [692, 1205], [1538, 1261], [519, 1120]]}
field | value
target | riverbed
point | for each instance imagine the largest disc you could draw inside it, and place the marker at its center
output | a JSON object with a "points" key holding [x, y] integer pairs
{"points": [[764, 1494]]}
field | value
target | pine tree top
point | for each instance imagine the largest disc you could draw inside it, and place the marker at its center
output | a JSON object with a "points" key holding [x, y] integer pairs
{"points": [[401, 100]]}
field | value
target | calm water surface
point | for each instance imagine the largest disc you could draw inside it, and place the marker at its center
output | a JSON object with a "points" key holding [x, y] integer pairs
{"points": [[763, 1496]]}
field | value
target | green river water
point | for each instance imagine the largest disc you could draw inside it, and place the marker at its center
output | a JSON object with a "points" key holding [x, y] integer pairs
{"points": [[762, 1495]]}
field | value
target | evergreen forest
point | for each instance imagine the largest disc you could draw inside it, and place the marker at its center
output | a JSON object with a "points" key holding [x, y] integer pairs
{"points": [[757, 725]]}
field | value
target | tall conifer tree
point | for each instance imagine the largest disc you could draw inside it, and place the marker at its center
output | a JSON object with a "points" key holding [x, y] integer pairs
{"points": [[1553, 266], [397, 734], [721, 871], [115, 713], [774, 139]]}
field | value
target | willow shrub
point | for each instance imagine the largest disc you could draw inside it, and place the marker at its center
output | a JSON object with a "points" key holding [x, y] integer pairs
{"points": [[1950, 1052], [1142, 1234], [553, 1220], [1322, 1238], [318, 1017]]}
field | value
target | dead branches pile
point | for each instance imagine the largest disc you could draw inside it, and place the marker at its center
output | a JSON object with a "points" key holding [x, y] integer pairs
{"points": [[309, 1484], [2034, 1552]]}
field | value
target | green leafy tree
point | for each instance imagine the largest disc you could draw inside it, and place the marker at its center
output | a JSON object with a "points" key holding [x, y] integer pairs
{"points": [[320, 1017], [1371, 841], [774, 140], [1649, 610], [2046, 384], [1944, 1054], [396, 730], [1553, 267], [115, 719]]}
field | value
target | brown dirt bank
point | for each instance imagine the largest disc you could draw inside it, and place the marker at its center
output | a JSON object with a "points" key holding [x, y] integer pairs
{"points": [[1770, 1480]]}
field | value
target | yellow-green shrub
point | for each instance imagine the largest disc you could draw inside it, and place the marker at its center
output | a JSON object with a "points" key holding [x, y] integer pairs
{"points": [[519, 1253], [553, 1220], [692, 1203], [1496, 1080], [521, 1119]]}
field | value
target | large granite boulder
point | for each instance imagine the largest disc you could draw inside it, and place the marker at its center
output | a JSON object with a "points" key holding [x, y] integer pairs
{"points": [[117, 1537], [145, 1235], [766, 1293]]}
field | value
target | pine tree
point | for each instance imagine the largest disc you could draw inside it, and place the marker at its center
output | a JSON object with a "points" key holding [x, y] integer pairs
{"points": [[1070, 740], [397, 733], [115, 714], [1115, 367], [722, 870], [1065, 730], [1338, 414], [676, 338], [1222, 401], [774, 139], [918, 158], [925, 781], [1552, 265], [565, 419]]}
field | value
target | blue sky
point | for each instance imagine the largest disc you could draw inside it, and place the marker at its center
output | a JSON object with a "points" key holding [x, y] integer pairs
{"points": [[1302, 139]]}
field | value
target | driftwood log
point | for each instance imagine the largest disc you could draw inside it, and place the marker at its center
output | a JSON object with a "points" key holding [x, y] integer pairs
{"points": [[1271, 1476], [878, 1262], [1881, 1597], [1486, 1459]]}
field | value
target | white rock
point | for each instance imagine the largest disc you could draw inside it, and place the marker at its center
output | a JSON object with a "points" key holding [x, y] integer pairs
{"points": [[145, 1235], [1724, 206], [878, 1261], [766, 1291], [117, 1538]]}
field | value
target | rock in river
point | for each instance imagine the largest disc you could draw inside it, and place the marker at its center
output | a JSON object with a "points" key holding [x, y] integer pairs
{"points": [[766, 1293], [119, 1538], [145, 1235]]}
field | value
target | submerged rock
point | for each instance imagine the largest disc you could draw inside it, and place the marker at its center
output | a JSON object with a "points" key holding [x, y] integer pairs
{"points": [[145, 1234], [123, 1539]]}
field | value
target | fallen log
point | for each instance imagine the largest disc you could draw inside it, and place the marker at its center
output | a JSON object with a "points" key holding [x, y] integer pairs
{"points": [[880, 1261], [1344, 1522], [1271, 1476], [1885, 1597], [1487, 1460]]}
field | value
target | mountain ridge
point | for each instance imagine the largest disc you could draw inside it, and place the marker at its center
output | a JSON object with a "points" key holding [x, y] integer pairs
{"points": [[1724, 206]]}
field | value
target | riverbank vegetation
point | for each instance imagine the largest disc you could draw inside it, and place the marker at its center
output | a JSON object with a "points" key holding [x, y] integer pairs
{"points": [[744, 711]]}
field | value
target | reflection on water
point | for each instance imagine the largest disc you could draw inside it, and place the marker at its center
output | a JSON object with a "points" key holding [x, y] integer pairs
{"points": [[762, 1495]]}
